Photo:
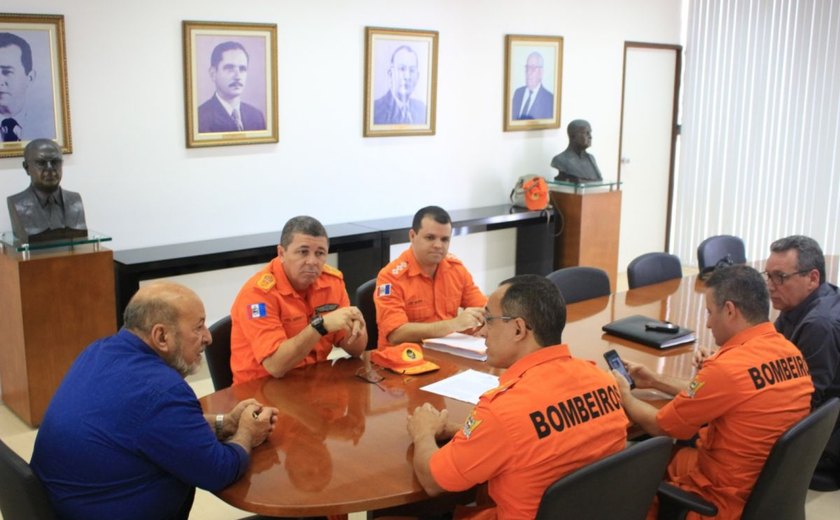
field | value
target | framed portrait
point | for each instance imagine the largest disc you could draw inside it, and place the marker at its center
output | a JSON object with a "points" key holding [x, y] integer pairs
{"points": [[230, 83], [33, 68], [533, 82], [400, 82]]}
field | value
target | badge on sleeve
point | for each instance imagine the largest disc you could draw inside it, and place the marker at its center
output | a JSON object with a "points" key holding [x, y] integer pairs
{"points": [[694, 386], [257, 310], [470, 425], [385, 289]]}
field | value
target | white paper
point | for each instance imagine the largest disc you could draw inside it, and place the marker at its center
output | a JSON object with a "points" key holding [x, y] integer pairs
{"points": [[337, 353], [465, 386], [458, 344]]}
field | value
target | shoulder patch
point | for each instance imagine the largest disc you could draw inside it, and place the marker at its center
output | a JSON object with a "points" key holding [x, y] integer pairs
{"points": [[694, 386], [471, 424], [453, 259], [332, 271], [384, 290], [495, 392], [399, 268], [266, 282]]}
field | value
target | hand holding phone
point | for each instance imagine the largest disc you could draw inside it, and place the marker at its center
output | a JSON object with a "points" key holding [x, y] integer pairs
{"points": [[615, 362]]}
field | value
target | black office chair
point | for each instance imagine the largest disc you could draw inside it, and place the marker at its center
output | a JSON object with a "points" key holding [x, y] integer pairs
{"points": [[618, 487], [782, 485], [720, 249], [21, 495], [580, 283], [218, 354], [364, 301], [651, 268]]}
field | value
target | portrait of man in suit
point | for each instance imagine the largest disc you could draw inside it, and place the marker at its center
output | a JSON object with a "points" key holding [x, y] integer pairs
{"points": [[22, 116], [533, 101], [45, 211], [397, 106], [225, 111]]}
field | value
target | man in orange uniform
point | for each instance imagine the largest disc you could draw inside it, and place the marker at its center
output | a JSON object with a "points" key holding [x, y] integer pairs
{"points": [[295, 310], [418, 294], [550, 415], [741, 400]]}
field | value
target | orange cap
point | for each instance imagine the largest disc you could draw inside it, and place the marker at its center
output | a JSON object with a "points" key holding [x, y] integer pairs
{"points": [[405, 358]]}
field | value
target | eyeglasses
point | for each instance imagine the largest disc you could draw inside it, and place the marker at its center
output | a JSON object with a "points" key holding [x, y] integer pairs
{"points": [[779, 278], [488, 318], [371, 376]]}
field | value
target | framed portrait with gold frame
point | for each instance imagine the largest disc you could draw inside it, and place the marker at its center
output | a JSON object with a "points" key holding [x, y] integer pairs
{"points": [[230, 83], [400, 82], [34, 99], [533, 82]]}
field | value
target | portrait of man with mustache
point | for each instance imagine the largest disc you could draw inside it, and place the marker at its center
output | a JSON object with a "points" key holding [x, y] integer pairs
{"points": [[225, 111]]}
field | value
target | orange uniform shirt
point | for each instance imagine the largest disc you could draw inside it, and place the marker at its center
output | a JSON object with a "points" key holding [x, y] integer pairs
{"points": [[752, 390], [404, 293], [550, 415], [268, 311]]}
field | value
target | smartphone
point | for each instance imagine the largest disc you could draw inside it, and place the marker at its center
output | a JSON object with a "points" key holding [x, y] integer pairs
{"points": [[614, 362], [662, 326]]}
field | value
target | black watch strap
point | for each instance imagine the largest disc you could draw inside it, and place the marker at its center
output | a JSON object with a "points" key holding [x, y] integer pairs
{"points": [[318, 324]]}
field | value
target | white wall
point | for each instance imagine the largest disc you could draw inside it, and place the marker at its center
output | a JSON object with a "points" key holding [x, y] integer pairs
{"points": [[141, 185]]}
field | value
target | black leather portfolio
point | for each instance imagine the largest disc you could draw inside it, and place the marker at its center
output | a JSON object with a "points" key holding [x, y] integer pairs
{"points": [[641, 329]]}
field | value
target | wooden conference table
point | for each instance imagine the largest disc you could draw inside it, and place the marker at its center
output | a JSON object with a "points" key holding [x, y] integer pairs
{"points": [[341, 444]]}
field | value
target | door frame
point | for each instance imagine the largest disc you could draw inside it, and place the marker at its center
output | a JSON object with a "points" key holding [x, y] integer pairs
{"points": [[675, 129]]}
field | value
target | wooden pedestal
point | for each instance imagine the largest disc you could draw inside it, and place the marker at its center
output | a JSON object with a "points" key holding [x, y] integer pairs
{"points": [[52, 306], [590, 230]]}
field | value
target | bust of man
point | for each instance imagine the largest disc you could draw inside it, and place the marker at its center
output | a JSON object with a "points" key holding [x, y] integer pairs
{"points": [[45, 211], [574, 164]]}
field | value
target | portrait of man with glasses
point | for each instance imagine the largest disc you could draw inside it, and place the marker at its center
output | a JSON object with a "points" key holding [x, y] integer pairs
{"points": [[810, 319]]}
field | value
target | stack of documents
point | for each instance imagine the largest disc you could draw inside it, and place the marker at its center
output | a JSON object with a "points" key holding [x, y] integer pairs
{"points": [[470, 347]]}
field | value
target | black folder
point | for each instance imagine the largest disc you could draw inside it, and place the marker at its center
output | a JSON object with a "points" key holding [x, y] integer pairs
{"points": [[633, 328]]}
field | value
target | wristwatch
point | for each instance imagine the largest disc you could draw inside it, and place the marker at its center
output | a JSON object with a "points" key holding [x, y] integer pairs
{"points": [[318, 324]]}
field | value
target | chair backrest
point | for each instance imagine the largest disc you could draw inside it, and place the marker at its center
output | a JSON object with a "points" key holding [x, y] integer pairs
{"points": [[218, 354], [580, 283], [651, 268], [720, 248], [618, 487], [21, 494], [782, 485], [364, 301]]}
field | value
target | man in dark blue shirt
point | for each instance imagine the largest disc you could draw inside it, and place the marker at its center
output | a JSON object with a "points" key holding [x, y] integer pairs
{"points": [[125, 437], [810, 319]]}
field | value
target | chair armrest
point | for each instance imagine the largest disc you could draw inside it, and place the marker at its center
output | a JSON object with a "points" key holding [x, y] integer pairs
{"points": [[674, 499]]}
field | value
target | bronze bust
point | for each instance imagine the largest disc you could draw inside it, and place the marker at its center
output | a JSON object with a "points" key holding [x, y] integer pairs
{"points": [[45, 211], [574, 164]]}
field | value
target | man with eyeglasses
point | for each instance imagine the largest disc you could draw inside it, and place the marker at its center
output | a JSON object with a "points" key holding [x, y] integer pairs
{"points": [[810, 319], [419, 294], [44, 210], [550, 415]]}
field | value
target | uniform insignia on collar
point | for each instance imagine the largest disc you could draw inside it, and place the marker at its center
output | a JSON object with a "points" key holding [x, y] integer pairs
{"points": [[694, 386], [399, 268], [470, 425], [266, 282], [332, 271]]}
